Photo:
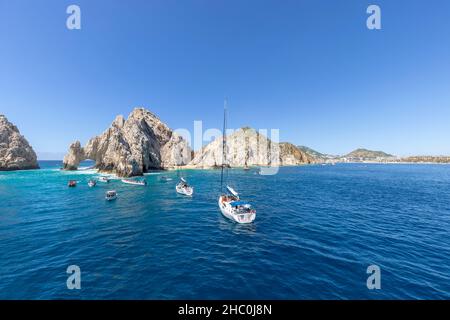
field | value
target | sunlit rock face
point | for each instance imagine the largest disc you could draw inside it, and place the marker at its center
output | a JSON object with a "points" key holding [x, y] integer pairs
{"points": [[248, 147], [15, 151], [132, 147]]}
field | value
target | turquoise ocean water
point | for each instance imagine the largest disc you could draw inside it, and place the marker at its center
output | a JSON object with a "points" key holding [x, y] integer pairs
{"points": [[317, 230]]}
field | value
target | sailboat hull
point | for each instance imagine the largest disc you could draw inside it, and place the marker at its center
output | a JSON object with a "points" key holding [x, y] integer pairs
{"points": [[230, 213], [189, 191]]}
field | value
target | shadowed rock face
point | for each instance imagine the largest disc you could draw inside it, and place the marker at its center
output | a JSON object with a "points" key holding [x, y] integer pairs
{"points": [[131, 147], [247, 147], [15, 152], [292, 155]]}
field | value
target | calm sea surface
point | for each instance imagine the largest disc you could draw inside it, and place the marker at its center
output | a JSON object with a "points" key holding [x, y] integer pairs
{"points": [[317, 230]]}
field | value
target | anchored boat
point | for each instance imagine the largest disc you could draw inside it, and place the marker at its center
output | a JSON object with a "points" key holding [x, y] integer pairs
{"points": [[231, 206], [111, 195], [165, 179], [72, 183], [135, 182], [103, 179], [184, 188], [92, 183]]}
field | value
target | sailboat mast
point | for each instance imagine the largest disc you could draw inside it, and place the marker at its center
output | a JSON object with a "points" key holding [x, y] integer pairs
{"points": [[224, 142]]}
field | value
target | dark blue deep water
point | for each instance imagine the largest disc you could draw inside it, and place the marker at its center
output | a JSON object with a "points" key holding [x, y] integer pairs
{"points": [[317, 230]]}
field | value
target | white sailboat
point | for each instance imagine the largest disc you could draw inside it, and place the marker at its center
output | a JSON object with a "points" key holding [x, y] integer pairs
{"points": [[231, 206], [235, 209], [184, 188]]}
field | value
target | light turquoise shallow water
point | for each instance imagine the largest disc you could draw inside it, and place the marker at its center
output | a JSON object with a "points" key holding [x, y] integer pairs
{"points": [[317, 229]]}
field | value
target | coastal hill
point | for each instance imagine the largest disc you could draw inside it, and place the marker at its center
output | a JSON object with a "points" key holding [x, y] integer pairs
{"points": [[132, 147], [15, 151], [248, 147], [367, 154], [362, 155], [315, 154], [357, 155]]}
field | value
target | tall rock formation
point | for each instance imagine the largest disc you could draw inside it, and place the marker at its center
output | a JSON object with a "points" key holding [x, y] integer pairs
{"points": [[247, 147], [15, 151], [131, 147]]}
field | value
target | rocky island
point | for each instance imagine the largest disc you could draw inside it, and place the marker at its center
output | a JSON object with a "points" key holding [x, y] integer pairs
{"points": [[15, 151], [132, 147], [142, 142], [248, 147]]}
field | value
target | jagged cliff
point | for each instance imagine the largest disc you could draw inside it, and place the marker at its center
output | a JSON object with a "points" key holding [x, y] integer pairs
{"points": [[292, 155], [247, 147], [15, 151], [131, 147]]}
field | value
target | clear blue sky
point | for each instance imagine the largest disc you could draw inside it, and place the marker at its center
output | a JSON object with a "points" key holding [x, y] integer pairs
{"points": [[310, 68]]}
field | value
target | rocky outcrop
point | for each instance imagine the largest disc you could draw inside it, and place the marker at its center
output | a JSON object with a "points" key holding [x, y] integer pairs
{"points": [[15, 151], [132, 147], [247, 147], [291, 155], [74, 156]]}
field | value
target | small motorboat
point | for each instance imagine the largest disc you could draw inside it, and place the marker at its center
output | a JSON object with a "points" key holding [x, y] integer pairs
{"points": [[111, 195], [103, 179], [165, 179], [135, 182], [72, 183], [86, 168], [92, 183], [184, 188], [266, 171]]}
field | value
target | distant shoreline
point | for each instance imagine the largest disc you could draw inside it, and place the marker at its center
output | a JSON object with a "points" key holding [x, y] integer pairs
{"points": [[188, 168], [300, 165], [391, 162]]}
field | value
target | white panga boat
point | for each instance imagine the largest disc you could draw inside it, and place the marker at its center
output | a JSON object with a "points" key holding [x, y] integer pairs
{"points": [[264, 171], [165, 179], [135, 182], [92, 183], [103, 179], [184, 188], [231, 206], [111, 195]]}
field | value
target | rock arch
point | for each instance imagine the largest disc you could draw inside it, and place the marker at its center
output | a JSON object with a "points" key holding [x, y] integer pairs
{"points": [[131, 147]]}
